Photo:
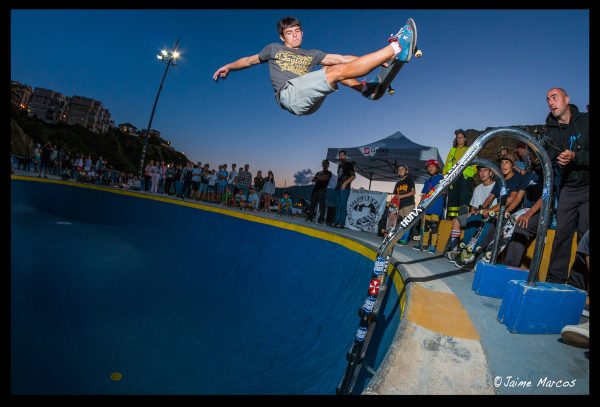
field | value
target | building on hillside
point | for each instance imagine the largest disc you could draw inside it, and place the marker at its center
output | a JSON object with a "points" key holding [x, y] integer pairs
{"points": [[128, 128], [167, 144], [48, 105], [151, 133], [89, 113], [20, 94]]}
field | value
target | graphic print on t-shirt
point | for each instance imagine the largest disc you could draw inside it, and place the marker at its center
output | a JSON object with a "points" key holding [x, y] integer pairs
{"points": [[298, 64]]}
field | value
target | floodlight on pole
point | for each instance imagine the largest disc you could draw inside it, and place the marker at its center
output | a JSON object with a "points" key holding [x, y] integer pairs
{"points": [[170, 58]]}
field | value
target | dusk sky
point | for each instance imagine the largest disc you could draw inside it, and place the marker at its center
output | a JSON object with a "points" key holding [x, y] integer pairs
{"points": [[480, 68]]}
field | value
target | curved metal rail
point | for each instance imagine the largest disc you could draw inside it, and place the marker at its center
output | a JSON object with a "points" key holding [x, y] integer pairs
{"points": [[370, 309]]}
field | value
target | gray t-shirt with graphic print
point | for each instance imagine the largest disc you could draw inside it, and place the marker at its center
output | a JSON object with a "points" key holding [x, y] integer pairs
{"points": [[288, 63]]}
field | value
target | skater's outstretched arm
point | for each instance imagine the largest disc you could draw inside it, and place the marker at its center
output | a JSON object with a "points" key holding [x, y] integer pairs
{"points": [[241, 63]]}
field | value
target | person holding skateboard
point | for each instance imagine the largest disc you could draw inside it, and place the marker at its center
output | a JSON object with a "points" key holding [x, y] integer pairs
{"points": [[300, 90]]}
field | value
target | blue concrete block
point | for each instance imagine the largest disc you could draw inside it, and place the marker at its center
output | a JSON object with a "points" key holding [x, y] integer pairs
{"points": [[543, 308], [491, 280]]}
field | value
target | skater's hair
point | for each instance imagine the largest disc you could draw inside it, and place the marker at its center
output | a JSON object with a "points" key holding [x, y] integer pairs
{"points": [[456, 133], [287, 22], [326, 162]]}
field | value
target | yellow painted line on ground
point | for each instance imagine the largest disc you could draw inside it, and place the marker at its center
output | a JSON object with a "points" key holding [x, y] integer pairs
{"points": [[440, 312]]}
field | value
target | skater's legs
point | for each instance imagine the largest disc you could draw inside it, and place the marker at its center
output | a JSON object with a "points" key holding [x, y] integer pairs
{"points": [[359, 66]]}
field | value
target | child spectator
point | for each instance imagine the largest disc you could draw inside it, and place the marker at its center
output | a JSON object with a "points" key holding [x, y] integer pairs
{"points": [[212, 185], [222, 183], [434, 212], [268, 190], [253, 199], [285, 205], [471, 220], [226, 198], [239, 199]]}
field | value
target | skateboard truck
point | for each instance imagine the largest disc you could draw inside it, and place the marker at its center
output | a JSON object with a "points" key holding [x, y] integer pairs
{"points": [[418, 53]]}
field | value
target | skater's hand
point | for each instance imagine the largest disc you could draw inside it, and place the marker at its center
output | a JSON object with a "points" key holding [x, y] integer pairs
{"points": [[221, 72]]}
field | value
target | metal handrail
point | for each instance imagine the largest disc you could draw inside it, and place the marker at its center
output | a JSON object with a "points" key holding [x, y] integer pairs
{"points": [[371, 305], [389, 241]]}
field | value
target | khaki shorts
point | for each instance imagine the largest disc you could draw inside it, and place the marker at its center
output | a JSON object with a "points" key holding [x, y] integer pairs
{"points": [[305, 94]]}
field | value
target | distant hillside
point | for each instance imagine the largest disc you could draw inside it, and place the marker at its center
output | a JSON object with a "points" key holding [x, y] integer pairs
{"points": [[123, 151]]}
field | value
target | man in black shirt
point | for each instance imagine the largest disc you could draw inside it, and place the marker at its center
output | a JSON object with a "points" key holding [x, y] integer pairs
{"points": [[342, 189], [321, 180], [568, 146]]}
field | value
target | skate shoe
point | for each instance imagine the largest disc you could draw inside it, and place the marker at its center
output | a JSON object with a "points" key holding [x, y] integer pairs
{"points": [[420, 248], [452, 255], [405, 38]]}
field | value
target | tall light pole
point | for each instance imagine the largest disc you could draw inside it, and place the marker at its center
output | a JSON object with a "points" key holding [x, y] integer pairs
{"points": [[170, 58]]}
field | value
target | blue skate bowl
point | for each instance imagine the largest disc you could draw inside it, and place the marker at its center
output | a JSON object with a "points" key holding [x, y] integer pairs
{"points": [[117, 292]]}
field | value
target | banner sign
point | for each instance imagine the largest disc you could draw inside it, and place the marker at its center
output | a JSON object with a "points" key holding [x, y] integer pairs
{"points": [[365, 209]]}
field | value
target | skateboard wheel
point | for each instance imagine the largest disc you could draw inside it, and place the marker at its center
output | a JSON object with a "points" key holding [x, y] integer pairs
{"points": [[418, 53], [391, 90]]}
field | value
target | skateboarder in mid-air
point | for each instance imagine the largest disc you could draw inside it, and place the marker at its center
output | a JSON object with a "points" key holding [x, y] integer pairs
{"points": [[300, 90]]}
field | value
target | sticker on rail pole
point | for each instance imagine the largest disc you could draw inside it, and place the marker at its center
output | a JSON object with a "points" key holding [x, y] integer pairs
{"points": [[361, 332], [379, 266], [374, 287]]}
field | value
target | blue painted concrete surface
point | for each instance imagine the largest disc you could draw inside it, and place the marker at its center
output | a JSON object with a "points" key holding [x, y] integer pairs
{"points": [[178, 300], [491, 280], [544, 308]]}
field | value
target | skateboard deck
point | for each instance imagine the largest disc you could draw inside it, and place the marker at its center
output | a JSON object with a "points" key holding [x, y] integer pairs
{"points": [[386, 75]]}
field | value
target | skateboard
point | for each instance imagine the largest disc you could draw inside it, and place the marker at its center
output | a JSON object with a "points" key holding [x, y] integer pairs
{"points": [[382, 83], [506, 234]]}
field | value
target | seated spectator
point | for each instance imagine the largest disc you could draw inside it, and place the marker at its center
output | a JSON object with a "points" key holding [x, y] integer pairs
{"points": [[514, 184], [253, 199], [471, 220], [239, 200], [526, 224], [284, 206]]}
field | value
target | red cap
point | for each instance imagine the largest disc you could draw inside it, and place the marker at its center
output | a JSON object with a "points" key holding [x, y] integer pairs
{"points": [[432, 162]]}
